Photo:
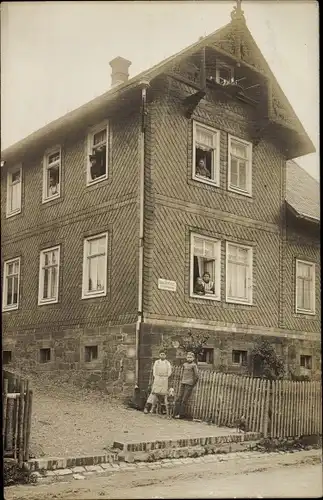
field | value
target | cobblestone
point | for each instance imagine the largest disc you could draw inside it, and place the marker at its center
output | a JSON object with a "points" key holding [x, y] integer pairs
{"points": [[78, 476], [63, 472], [93, 468], [78, 469]]}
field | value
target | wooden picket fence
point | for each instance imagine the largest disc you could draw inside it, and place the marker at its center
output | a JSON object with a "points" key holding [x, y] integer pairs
{"points": [[17, 407], [274, 409], [296, 408]]}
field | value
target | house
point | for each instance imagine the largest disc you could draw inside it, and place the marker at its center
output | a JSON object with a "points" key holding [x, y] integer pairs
{"points": [[113, 214]]}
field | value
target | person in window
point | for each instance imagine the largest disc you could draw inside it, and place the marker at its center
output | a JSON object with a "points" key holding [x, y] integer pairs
{"points": [[201, 169], [199, 287], [208, 284], [95, 169], [53, 184]]}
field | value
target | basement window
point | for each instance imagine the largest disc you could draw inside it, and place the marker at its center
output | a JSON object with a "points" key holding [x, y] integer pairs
{"points": [[6, 357], [206, 356], [306, 362], [239, 357], [90, 353], [44, 355]]}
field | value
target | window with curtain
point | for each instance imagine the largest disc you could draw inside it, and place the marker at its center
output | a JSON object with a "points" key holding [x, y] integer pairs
{"points": [[95, 266], [239, 273], [305, 287], [205, 267]]}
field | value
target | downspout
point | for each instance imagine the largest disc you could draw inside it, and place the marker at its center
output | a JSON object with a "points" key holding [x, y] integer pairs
{"points": [[144, 85]]}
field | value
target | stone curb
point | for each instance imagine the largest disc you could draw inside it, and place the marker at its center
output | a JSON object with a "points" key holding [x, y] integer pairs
{"points": [[57, 463], [79, 472]]}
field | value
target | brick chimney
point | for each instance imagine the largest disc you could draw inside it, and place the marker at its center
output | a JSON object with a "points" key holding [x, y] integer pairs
{"points": [[120, 72]]}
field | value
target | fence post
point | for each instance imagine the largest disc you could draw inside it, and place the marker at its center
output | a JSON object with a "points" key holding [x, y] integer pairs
{"points": [[30, 401], [25, 419], [4, 409], [20, 422]]}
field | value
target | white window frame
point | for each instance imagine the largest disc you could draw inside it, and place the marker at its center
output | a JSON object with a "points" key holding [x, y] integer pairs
{"points": [[215, 155], [234, 300], [94, 130], [217, 283], [51, 300], [46, 167], [235, 189], [11, 213], [218, 67], [313, 294], [101, 293], [5, 306]]}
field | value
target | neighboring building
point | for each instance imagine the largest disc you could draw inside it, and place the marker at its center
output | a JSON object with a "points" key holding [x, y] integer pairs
{"points": [[112, 213]]}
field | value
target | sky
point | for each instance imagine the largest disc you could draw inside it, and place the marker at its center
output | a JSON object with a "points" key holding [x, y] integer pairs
{"points": [[55, 55]]}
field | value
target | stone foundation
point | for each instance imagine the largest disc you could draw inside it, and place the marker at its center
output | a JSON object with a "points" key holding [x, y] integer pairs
{"points": [[223, 343], [98, 357]]}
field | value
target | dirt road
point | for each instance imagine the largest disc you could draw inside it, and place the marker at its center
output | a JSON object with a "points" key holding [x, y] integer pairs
{"points": [[292, 475]]}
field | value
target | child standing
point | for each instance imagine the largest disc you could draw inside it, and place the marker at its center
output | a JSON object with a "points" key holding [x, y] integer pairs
{"points": [[189, 379], [162, 370]]}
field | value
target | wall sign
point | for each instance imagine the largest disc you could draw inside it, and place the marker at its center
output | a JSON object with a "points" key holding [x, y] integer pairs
{"points": [[168, 285]]}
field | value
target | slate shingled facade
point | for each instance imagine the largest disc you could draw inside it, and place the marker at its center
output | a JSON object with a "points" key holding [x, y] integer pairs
{"points": [[110, 340]]}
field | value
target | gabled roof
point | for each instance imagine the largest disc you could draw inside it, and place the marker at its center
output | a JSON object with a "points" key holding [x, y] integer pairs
{"points": [[221, 39], [302, 192]]}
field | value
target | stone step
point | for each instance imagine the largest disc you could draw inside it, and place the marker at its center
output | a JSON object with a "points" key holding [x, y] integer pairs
{"points": [[151, 451]]}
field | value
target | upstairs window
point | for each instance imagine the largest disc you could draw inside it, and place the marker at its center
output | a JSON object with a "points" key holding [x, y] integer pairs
{"points": [[97, 169], [240, 166], [239, 274], [51, 174], [95, 266], [224, 74], [11, 279], [49, 276], [14, 181], [205, 267], [206, 154], [305, 287]]}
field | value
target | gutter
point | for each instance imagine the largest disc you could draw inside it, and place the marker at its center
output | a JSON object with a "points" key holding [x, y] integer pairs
{"points": [[144, 85], [303, 216]]}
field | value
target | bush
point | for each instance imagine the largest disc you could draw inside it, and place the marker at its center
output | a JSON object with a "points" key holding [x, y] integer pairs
{"points": [[266, 362], [13, 474]]}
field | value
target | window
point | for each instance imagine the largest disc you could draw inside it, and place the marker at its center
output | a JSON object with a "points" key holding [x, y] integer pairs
{"points": [[305, 287], [90, 353], [240, 166], [206, 150], [14, 180], [6, 357], [51, 174], [206, 356], [95, 266], [49, 275], [224, 74], [205, 267], [239, 357], [239, 274], [97, 169], [11, 278], [44, 355], [306, 362]]}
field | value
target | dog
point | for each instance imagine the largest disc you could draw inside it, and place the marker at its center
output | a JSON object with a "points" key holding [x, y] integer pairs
{"points": [[241, 424], [170, 403]]}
